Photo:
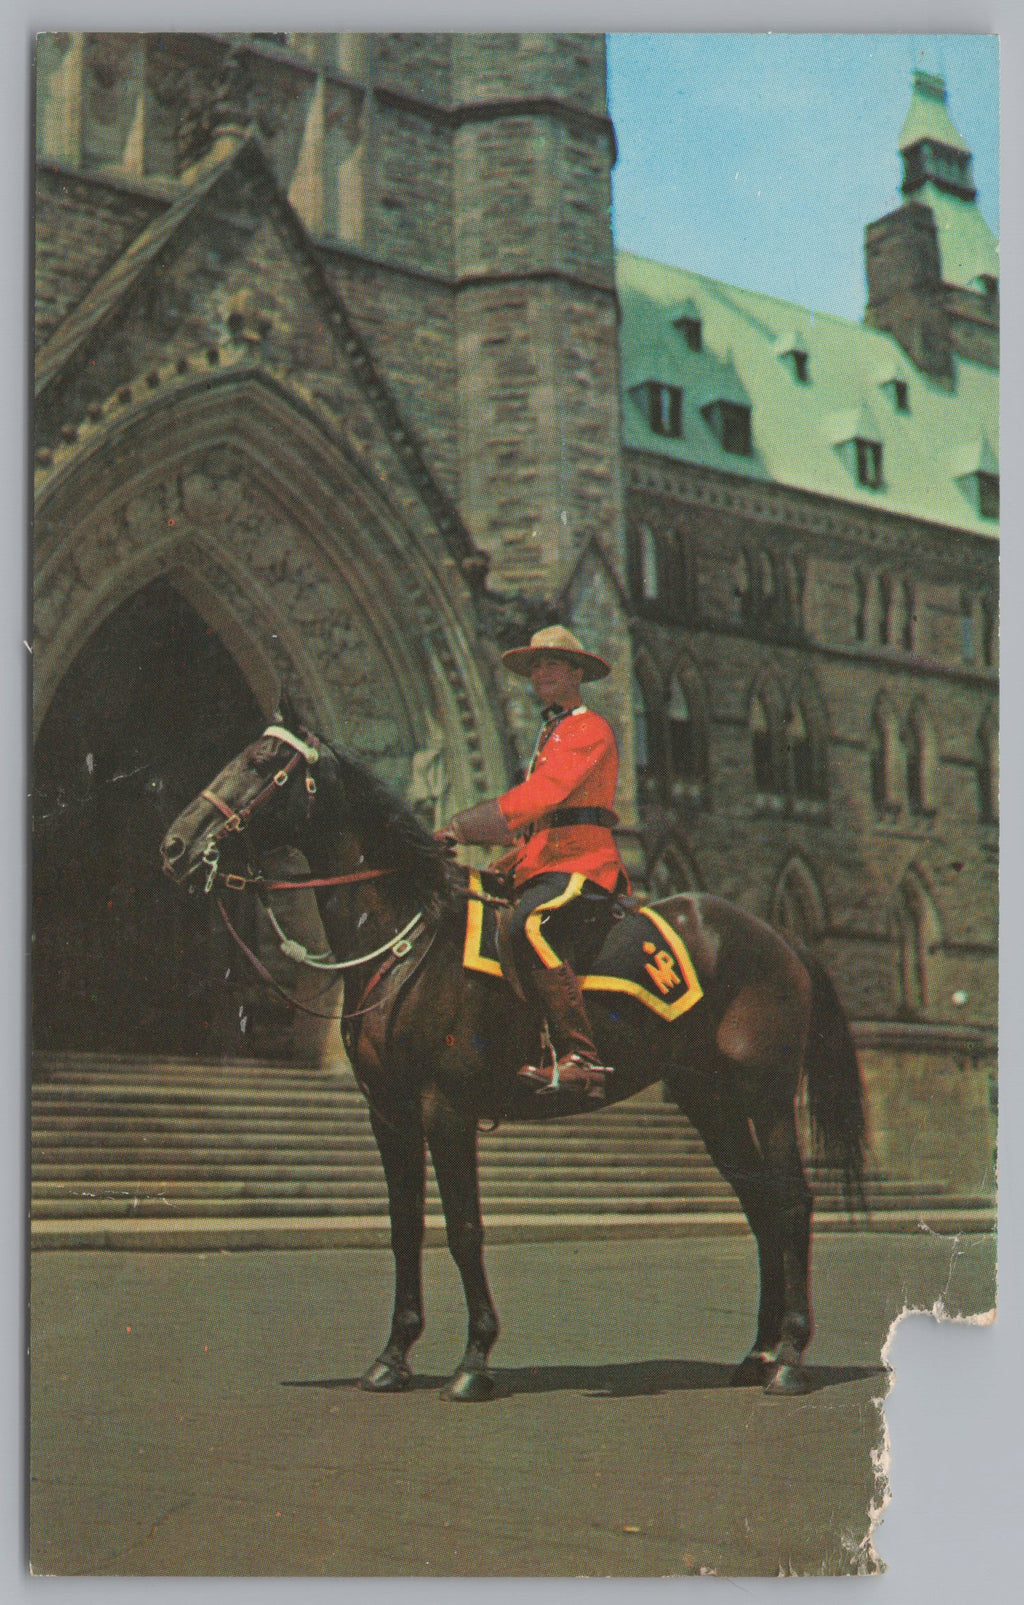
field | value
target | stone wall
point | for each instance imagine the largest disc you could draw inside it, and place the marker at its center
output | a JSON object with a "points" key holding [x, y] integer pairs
{"points": [[81, 228], [876, 870]]}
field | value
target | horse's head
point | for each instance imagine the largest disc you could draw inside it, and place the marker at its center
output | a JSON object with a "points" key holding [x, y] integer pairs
{"points": [[262, 799]]}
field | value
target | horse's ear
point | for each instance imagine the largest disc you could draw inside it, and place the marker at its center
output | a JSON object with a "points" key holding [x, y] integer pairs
{"points": [[286, 713]]}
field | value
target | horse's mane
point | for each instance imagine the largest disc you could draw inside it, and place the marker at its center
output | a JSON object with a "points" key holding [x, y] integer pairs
{"points": [[391, 835]]}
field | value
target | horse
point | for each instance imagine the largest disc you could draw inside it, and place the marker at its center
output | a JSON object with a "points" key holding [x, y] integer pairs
{"points": [[436, 1049]]}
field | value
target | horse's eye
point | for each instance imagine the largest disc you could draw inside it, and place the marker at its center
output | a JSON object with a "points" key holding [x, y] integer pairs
{"points": [[263, 756]]}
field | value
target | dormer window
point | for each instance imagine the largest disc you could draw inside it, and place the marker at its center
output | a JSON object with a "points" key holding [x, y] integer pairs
{"points": [[900, 395], [792, 351], [692, 333], [855, 436], [894, 387], [729, 422], [976, 471], [686, 320], [869, 463], [662, 408], [987, 488]]}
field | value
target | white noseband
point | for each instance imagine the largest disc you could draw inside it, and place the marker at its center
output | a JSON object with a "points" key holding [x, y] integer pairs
{"points": [[310, 754]]}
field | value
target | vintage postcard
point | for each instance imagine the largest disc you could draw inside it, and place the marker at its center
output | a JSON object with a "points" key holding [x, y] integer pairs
{"points": [[515, 776]]}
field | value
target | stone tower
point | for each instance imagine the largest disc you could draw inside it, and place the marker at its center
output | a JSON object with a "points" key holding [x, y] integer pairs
{"points": [[933, 264]]}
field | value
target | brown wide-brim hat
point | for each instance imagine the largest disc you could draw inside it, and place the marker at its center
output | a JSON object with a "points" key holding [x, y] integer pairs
{"points": [[555, 641]]}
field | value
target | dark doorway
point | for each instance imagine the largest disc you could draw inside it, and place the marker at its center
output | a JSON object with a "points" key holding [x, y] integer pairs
{"points": [[122, 960]]}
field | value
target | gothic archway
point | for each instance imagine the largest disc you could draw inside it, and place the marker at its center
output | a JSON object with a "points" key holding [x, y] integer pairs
{"points": [[143, 718]]}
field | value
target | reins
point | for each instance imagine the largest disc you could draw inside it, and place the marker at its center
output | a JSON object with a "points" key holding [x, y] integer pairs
{"points": [[400, 949], [236, 820]]}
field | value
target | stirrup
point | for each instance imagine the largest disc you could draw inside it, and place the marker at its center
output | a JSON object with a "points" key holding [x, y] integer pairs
{"points": [[585, 1079]]}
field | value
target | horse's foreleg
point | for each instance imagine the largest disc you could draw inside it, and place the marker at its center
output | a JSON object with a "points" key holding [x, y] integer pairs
{"points": [[403, 1155], [451, 1134], [775, 1129], [726, 1135]]}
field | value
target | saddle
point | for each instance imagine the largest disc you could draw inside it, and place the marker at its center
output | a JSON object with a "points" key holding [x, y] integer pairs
{"points": [[642, 956]]}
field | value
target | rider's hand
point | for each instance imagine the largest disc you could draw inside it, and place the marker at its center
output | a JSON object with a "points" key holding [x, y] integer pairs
{"points": [[447, 839]]}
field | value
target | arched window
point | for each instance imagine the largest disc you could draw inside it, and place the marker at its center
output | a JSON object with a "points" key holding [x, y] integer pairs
{"points": [[682, 735], [915, 930], [648, 564], [968, 642], [882, 748], [986, 766], [677, 586], [766, 572], [800, 749], [672, 872], [648, 745], [741, 586], [862, 599], [914, 761], [885, 608], [796, 581], [908, 619], [920, 757], [797, 907], [761, 747], [987, 631]]}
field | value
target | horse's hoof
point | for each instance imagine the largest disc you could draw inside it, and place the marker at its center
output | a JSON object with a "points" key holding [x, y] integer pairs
{"points": [[788, 1380], [385, 1376], [469, 1387], [753, 1371]]}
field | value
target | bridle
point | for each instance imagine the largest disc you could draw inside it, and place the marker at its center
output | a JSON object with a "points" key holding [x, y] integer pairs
{"points": [[237, 820]]}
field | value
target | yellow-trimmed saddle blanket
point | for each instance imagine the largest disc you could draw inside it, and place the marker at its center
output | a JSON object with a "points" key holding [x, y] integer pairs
{"points": [[642, 956]]}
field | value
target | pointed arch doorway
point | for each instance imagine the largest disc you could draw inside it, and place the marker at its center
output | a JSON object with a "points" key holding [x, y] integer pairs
{"points": [[143, 718]]}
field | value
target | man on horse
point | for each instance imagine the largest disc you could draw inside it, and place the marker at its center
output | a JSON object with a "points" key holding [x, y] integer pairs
{"points": [[566, 867]]}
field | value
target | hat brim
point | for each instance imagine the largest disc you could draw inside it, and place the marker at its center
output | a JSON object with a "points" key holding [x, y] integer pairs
{"points": [[521, 659]]}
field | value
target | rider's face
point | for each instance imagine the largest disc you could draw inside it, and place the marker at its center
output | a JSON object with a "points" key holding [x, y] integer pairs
{"points": [[555, 680]]}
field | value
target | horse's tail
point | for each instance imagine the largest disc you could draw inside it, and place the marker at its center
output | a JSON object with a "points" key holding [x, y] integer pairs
{"points": [[835, 1091]]}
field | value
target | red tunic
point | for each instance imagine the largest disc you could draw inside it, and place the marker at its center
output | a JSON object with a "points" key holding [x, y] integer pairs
{"points": [[576, 766]]}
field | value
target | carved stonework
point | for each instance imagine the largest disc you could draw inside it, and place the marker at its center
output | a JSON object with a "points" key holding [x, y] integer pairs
{"points": [[269, 576]]}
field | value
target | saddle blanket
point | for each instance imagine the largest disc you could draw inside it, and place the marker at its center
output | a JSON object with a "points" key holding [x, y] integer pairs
{"points": [[642, 956]]}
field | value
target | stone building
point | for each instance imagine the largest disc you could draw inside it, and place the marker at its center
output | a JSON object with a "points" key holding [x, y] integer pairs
{"points": [[812, 512], [340, 382]]}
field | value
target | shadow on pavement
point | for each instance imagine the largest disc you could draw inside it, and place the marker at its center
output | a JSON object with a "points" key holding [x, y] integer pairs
{"points": [[625, 1381]]}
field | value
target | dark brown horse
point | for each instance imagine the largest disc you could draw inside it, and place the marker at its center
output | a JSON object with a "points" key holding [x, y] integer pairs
{"points": [[436, 1049]]}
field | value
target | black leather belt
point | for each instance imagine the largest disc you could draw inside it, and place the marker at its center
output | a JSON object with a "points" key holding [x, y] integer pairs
{"points": [[578, 816]]}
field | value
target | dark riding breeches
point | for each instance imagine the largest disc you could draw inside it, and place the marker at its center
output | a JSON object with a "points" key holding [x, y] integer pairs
{"points": [[559, 919]]}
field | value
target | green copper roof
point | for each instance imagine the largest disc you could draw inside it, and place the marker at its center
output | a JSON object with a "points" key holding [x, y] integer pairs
{"points": [[968, 249], [928, 117], [799, 430]]}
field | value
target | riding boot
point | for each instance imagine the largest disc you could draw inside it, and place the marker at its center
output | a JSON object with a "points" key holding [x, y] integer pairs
{"points": [[578, 1068]]}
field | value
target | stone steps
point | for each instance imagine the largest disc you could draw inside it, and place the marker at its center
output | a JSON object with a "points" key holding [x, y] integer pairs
{"points": [[170, 1153]]}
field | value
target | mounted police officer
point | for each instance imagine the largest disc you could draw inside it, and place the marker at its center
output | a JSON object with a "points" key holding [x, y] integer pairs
{"points": [[566, 867]]}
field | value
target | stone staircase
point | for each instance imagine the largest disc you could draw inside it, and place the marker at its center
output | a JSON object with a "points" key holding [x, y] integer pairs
{"points": [[173, 1153]]}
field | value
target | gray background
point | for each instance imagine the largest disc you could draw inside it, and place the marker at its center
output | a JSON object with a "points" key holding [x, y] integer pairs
{"points": [[956, 1416]]}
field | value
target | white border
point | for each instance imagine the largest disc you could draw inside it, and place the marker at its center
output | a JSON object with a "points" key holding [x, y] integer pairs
{"points": [[953, 1532]]}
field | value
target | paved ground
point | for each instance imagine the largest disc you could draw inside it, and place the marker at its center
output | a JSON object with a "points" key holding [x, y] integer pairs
{"points": [[197, 1413]]}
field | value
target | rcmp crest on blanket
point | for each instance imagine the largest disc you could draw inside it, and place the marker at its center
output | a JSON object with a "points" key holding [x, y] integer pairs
{"points": [[642, 956]]}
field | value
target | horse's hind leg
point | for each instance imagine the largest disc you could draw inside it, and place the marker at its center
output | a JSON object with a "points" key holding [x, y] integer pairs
{"points": [[451, 1134], [403, 1154], [775, 1129], [725, 1132]]}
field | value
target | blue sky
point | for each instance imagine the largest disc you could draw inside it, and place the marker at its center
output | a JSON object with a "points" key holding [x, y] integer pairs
{"points": [[759, 158]]}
